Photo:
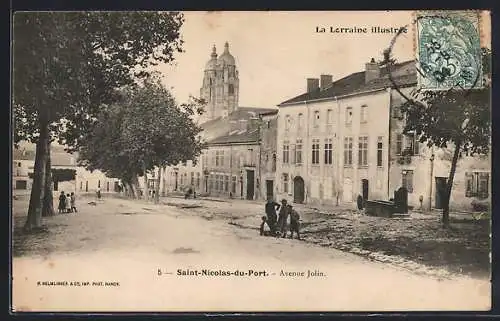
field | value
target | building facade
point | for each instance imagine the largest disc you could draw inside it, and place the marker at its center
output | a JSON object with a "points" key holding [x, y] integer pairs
{"points": [[231, 164], [343, 139], [84, 181]]}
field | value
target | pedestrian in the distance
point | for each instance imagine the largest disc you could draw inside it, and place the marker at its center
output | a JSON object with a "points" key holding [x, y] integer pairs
{"points": [[98, 192], [62, 204], [282, 217], [73, 202], [68, 203]]}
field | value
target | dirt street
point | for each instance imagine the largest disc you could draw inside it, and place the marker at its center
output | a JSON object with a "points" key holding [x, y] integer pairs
{"points": [[126, 245]]}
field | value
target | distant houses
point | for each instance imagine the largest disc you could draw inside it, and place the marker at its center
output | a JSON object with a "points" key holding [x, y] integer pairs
{"points": [[61, 162]]}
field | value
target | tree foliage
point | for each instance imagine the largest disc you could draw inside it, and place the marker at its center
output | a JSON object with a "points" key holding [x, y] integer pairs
{"points": [[67, 67], [458, 118], [61, 174], [146, 129], [71, 63]]}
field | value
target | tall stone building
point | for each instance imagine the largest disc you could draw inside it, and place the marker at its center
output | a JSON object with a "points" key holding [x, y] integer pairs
{"points": [[220, 85], [238, 139]]}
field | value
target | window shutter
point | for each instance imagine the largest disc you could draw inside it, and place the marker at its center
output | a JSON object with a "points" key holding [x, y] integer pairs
{"points": [[294, 150]]}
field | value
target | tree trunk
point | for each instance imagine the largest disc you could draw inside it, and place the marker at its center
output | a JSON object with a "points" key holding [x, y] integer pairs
{"points": [[34, 219], [164, 185], [157, 187], [48, 200], [146, 187], [446, 209], [134, 186]]}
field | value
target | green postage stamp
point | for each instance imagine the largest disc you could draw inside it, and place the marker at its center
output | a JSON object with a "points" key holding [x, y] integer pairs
{"points": [[448, 50]]}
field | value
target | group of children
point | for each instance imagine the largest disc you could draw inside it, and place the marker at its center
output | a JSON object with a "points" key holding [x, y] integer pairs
{"points": [[277, 223], [67, 203]]}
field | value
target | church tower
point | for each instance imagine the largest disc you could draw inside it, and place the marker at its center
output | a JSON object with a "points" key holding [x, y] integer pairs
{"points": [[220, 87]]}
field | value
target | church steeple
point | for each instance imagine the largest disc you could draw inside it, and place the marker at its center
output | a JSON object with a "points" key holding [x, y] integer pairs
{"points": [[214, 53], [220, 87]]}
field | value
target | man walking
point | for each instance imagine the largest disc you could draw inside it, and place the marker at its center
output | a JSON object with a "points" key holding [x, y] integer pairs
{"points": [[294, 222], [270, 218]]}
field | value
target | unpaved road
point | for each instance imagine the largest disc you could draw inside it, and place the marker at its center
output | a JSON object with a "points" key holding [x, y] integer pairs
{"points": [[125, 243]]}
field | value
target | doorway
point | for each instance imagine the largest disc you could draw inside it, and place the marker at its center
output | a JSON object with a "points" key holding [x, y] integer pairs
{"points": [[440, 192], [298, 190], [250, 184], [364, 189], [270, 189]]}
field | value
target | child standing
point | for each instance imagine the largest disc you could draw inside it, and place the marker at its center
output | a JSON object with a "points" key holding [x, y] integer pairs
{"points": [[68, 203], [73, 202]]}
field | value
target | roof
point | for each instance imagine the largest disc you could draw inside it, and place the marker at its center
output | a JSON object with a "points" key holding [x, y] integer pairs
{"points": [[403, 74], [218, 131], [58, 157], [23, 154], [237, 137]]}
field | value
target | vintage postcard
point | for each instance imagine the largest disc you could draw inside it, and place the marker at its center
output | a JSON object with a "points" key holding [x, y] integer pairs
{"points": [[251, 161]]}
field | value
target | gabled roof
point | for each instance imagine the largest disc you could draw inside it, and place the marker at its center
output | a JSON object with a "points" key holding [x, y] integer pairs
{"points": [[221, 127], [237, 137], [58, 157], [403, 74]]}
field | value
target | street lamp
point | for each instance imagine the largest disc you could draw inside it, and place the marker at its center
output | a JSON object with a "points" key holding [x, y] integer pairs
{"points": [[176, 171]]}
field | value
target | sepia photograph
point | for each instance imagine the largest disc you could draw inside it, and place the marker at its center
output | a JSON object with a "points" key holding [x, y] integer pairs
{"points": [[251, 161]]}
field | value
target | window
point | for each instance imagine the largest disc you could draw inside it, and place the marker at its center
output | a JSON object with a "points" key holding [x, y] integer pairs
{"points": [[399, 144], [315, 151], [216, 187], [407, 144], [298, 152], [380, 146], [407, 180], [192, 178], [107, 186], [348, 115], [211, 182], [287, 122], [286, 150], [219, 158], [316, 118], [285, 183], [250, 157], [363, 151], [329, 117], [233, 185], [268, 124], [19, 164], [198, 179], [226, 183], [477, 184], [230, 89], [86, 186], [81, 186], [301, 121], [347, 151], [364, 114], [328, 151], [274, 163]]}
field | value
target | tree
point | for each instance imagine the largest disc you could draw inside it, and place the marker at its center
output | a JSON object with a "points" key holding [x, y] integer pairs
{"points": [[67, 67], [145, 131], [458, 118]]}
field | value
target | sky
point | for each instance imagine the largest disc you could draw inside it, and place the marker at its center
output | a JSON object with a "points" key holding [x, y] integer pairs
{"points": [[276, 51]]}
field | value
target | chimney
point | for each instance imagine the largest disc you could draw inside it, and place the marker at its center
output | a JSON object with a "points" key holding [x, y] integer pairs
{"points": [[326, 81], [312, 84], [372, 71]]}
